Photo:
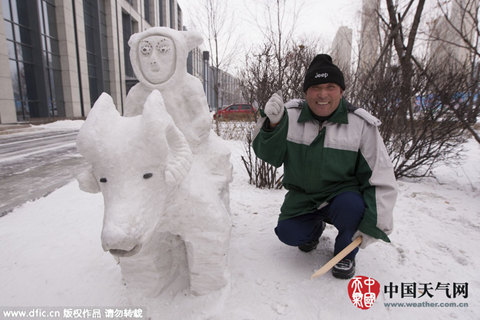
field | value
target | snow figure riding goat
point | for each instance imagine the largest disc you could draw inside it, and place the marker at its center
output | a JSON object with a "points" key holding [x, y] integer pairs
{"points": [[163, 176]]}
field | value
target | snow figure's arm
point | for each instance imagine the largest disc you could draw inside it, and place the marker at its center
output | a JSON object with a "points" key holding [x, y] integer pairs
{"points": [[135, 99], [179, 157], [378, 186], [198, 107]]}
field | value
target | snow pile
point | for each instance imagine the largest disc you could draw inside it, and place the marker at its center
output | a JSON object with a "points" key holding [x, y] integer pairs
{"points": [[52, 256], [61, 125], [28, 129]]}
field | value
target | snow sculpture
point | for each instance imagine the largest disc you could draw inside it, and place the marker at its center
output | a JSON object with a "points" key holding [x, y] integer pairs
{"points": [[159, 60], [164, 219], [163, 176]]}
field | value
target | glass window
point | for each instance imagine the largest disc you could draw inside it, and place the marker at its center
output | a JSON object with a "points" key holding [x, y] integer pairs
{"points": [[49, 11], [30, 83], [14, 77], [179, 18], [161, 6], [24, 33], [23, 9], [34, 57], [25, 53], [33, 30], [14, 14], [172, 14], [6, 10], [11, 50], [92, 81], [16, 32], [8, 30], [55, 62], [97, 51], [127, 32], [26, 109], [48, 45], [146, 10], [54, 47], [92, 71], [89, 38], [57, 75]]}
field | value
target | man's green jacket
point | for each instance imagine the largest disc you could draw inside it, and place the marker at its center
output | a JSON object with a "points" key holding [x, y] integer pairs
{"points": [[322, 160]]}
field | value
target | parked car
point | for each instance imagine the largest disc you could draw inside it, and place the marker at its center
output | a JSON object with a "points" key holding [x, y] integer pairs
{"points": [[237, 111]]}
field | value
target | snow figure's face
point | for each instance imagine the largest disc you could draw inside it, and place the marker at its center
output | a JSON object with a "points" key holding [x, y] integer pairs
{"points": [[157, 56]]}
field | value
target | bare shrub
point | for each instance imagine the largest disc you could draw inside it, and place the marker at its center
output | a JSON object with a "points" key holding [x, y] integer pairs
{"points": [[261, 174], [234, 130]]}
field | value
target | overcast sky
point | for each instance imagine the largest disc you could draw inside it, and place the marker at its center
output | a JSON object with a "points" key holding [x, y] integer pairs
{"points": [[318, 19]]}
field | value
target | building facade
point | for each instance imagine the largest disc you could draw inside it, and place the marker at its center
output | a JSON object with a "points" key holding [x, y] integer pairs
{"points": [[58, 56], [369, 46], [342, 49], [229, 91], [461, 26]]}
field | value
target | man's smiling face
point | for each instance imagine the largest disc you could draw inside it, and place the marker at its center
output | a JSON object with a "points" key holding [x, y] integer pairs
{"points": [[323, 99]]}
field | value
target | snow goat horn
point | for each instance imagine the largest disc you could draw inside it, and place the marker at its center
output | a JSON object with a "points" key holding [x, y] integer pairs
{"points": [[160, 124]]}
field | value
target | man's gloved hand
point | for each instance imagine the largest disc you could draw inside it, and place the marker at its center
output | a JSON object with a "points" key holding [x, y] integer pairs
{"points": [[366, 239], [274, 108]]}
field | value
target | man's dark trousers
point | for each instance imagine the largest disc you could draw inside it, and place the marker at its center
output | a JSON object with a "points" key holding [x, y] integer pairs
{"points": [[345, 212]]}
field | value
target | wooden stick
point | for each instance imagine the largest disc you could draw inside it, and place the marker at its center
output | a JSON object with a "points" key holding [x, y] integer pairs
{"points": [[329, 265]]}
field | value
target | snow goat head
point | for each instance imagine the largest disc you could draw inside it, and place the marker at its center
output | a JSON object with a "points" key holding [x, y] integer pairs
{"points": [[137, 163]]}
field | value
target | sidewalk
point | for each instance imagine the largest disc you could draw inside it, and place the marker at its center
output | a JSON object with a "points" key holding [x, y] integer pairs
{"points": [[13, 128], [36, 159], [9, 128]]}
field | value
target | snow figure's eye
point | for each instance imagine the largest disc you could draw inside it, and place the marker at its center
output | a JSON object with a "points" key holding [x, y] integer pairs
{"points": [[147, 175], [162, 48], [103, 180], [146, 48]]}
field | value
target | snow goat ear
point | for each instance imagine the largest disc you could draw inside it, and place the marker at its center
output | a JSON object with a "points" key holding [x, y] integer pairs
{"points": [[102, 114], [104, 108], [156, 119], [154, 106], [193, 39], [87, 182]]}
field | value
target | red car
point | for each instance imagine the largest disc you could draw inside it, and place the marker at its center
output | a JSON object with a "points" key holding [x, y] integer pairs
{"points": [[238, 111]]}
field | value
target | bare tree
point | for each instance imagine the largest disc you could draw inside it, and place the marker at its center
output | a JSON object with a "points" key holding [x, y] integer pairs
{"points": [[278, 64], [417, 103], [261, 77], [217, 24], [456, 34], [278, 31]]}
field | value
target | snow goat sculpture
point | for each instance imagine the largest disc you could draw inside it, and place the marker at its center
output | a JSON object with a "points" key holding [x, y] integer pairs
{"points": [[166, 216]]}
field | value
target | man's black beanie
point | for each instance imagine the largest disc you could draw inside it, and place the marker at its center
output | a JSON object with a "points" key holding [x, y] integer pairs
{"points": [[322, 70]]}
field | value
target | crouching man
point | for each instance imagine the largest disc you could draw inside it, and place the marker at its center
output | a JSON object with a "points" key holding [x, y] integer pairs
{"points": [[336, 167]]}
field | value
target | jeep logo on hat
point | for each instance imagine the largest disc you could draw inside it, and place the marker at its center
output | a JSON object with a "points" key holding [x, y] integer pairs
{"points": [[321, 75]]}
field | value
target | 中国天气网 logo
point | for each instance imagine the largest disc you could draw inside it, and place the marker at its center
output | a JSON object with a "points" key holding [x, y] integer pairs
{"points": [[363, 292]]}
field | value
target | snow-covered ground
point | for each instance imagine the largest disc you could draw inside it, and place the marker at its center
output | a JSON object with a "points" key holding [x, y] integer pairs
{"points": [[51, 255]]}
